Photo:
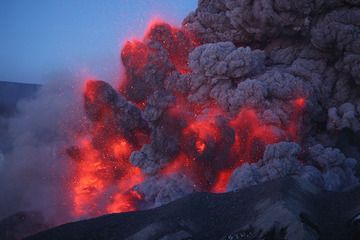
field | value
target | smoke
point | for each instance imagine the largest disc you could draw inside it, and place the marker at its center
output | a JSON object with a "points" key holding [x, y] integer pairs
{"points": [[311, 53], [34, 173], [243, 93], [326, 167]]}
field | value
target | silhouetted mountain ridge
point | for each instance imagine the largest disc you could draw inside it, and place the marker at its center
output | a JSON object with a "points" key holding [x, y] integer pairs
{"points": [[287, 208], [12, 92]]}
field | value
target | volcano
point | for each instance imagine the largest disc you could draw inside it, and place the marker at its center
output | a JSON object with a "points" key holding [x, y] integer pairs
{"points": [[193, 113], [155, 142], [243, 93]]}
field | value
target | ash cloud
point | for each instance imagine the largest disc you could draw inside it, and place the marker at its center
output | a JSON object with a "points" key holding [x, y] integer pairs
{"points": [[311, 49], [159, 190], [325, 167], [269, 72]]}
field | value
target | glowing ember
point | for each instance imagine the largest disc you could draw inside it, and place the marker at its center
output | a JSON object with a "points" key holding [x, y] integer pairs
{"points": [[222, 181], [200, 146], [121, 149], [300, 102]]}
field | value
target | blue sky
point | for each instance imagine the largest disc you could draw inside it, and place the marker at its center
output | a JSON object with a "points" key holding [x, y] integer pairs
{"points": [[40, 38]]}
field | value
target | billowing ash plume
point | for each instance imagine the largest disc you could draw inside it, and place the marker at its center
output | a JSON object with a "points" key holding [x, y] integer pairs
{"points": [[244, 92], [327, 167], [255, 94]]}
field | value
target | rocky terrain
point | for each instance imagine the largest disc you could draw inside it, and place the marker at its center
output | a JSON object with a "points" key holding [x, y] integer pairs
{"points": [[287, 208]]}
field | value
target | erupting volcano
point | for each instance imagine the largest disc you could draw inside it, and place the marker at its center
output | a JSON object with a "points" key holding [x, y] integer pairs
{"points": [[151, 141], [242, 93]]}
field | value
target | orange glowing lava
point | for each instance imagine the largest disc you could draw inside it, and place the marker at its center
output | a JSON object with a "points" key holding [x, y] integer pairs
{"points": [[96, 173], [252, 135], [103, 176], [88, 186], [200, 146], [300, 102], [222, 180]]}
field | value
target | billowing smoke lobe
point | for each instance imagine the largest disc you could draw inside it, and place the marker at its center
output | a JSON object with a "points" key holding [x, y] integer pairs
{"points": [[244, 92]]}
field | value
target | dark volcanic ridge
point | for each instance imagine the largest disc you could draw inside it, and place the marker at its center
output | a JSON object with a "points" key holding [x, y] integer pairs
{"points": [[287, 208], [11, 93]]}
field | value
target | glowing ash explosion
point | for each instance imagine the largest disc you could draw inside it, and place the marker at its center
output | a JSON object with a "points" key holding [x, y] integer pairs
{"points": [[243, 93], [151, 142]]}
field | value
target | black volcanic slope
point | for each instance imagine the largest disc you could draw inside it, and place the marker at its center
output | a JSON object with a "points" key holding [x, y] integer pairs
{"points": [[280, 209]]}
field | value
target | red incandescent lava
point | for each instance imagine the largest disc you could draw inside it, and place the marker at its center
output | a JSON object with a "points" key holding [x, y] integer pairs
{"points": [[211, 145]]}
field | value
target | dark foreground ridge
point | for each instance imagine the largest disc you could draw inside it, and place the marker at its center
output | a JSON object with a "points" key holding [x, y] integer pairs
{"points": [[282, 209]]}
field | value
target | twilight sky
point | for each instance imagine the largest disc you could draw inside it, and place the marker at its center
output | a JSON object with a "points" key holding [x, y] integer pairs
{"points": [[40, 38]]}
